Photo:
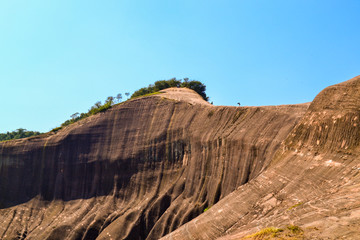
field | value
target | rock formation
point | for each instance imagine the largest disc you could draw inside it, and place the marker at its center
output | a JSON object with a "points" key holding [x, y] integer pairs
{"points": [[174, 166], [312, 181]]}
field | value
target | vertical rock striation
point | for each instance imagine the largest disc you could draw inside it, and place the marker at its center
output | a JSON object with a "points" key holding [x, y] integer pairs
{"points": [[312, 181], [138, 171]]}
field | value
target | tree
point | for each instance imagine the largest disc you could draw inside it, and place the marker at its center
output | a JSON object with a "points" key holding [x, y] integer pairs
{"points": [[98, 104], [127, 94], [162, 84], [75, 115], [197, 86], [119, 97], [109, 100], [18, 133]]}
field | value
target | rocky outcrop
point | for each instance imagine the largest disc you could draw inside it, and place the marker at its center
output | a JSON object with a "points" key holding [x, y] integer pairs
{"points": [[144, 168], [312, 181]]}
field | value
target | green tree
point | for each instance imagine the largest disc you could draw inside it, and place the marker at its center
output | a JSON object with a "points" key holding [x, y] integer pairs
{"points": [[197, 86], [98, 104], [74, 116], [109, 101], [18, 133]]}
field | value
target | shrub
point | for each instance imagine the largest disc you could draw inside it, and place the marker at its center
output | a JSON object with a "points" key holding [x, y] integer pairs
{"points": [[266, 232], [294, 229], [97, 108]]}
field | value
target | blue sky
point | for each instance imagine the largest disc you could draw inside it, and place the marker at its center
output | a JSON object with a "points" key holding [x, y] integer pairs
{"points": [[60, 57]]}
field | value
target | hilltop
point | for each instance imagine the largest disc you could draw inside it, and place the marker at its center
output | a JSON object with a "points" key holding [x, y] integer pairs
{"points": [[172, 165]]}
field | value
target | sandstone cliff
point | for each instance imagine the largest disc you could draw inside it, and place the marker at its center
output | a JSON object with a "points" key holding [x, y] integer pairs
{"points": [[137, 171], [312, 182], [148, 168]]}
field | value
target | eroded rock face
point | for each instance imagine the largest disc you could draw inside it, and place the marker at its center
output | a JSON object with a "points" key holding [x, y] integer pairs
{"points": [[139, 170], [312, 181]]}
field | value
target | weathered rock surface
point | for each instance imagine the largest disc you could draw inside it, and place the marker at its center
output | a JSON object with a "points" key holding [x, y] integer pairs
{"points": [[137, 171], [313, 180], [148, 168]]}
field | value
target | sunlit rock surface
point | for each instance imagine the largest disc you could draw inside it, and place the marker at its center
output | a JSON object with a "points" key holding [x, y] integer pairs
{"points": [[313, 180], [149, 167]]}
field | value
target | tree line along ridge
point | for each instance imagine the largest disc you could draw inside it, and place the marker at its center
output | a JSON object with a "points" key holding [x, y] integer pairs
{"points": [[98, 107]]}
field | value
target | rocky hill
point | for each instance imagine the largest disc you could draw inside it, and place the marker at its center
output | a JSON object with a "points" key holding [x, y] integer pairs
{"points": [[174, 166], [313, 180]]}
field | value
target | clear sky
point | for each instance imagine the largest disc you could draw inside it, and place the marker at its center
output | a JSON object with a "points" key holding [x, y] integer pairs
{"points": [[58, 57]]}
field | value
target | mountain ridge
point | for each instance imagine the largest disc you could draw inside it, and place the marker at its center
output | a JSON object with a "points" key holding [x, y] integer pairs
{"points": [[312, 182], [148, 168]]}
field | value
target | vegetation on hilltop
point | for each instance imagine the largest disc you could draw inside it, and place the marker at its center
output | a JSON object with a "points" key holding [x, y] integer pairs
{"points": [[18, 133], [98, 107], [197, 86]]}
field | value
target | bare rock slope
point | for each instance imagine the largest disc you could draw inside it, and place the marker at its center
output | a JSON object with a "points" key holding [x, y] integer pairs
{"points": [[312, 182], [148, 168]]}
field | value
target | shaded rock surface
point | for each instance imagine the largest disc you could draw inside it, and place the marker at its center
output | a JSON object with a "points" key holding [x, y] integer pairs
{"points": [[137, 171], [148, 168]]}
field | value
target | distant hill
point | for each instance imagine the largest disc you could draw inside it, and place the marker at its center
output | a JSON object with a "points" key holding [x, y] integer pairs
{"points": [[19, 133]]}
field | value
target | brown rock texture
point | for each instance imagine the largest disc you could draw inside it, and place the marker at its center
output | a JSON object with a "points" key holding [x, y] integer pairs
{"points": [[149, 167], [312, 181]]}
